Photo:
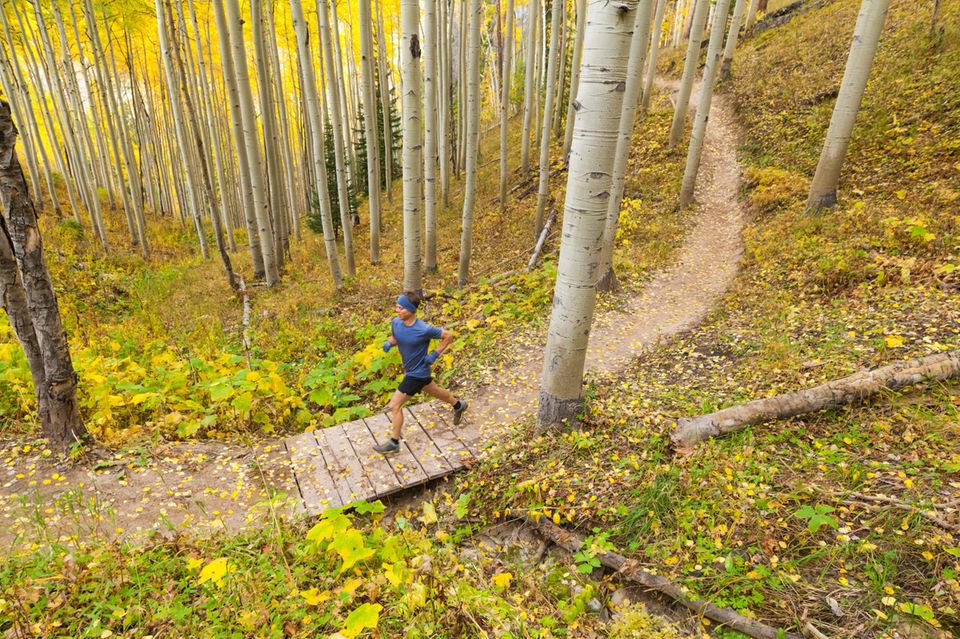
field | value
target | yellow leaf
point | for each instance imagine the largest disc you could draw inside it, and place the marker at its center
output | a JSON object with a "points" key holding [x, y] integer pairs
{"points": [[429, 514], [193, 564], [888, 601], [351, 585], [502, 579], [894, 341], [314, 597], [215, 571]]}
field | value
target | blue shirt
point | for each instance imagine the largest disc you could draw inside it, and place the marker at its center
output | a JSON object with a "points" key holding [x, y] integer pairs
{"points": [[414, 342]]}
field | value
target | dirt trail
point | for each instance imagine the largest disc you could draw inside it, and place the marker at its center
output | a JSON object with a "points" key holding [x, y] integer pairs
{"points": [[675, 299], [208, 486]]}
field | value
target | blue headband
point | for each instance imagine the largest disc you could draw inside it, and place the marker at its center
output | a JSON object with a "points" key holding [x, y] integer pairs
{"points": [[405, 302]]}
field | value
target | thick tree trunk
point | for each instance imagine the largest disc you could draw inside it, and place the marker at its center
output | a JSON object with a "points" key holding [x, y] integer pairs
{"points": [[839, 392], [410, 67], [332, 82], [529, 84], [689, 72], [574, 78], [430, 135], [505, 105], [699, 133], [652, 57], [368, 94], [472, 143], [543, 191], [251, 139], [21, 228], [866, 36], [638, 51], [606, 52], [309, 87], [733, 36]]}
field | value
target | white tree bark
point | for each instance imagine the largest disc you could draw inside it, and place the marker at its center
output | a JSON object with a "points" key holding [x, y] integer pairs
{"points": [[638, 51], [751, 15], [733, 37], [252, 141], [866, 36], [430, 134], [652, 57], [505, 104], [410, 67], [472, 143], [368, 96], [444, 27], [689, 72], [240, 146], [346, 110], [574, 78], [695, 150], [529, 83], [543, 191], [606, 51], [385, 101], [309, 87]]}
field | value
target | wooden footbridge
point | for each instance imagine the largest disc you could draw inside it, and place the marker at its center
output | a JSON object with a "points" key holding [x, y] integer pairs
{"points": [[337, 466]]}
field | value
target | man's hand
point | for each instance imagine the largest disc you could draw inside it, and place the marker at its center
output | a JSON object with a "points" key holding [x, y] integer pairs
{"points": [[432, 357], [387, 345]]}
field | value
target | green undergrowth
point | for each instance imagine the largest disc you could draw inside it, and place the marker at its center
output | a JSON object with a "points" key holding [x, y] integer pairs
{"points": [[159, 346], [777, 521]]}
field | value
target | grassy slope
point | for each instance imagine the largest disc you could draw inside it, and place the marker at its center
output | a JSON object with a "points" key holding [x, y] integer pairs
{"points": [[819, 296]]}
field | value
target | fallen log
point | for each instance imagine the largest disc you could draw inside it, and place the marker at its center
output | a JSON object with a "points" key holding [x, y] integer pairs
{"points": [[628, 570], [839, 392], [542, 240]]}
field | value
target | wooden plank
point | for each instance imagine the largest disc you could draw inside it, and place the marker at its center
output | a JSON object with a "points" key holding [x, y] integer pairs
{"points": [[431, 458], [445, 436], [309, 468], [404, 464], [379, 472], [343, 465]]}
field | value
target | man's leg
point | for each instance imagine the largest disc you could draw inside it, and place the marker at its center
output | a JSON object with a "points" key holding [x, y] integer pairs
{"points": [[396, 413], [459, 405]]}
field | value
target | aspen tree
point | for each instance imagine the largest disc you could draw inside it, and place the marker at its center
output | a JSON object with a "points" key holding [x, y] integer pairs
{"points": [[574, 78], [697, 137], [444, 26], [472, 142], [370, 128], [605, 57], [313, 120], [556, 14], [689, 71], [652, 57], [561, 70], [529, 83], [385, 100], [21, 236], [505, 105], [866, 36], [251, 139], [631, 94], [410, 68], [751, 14], [733, 35], [430, 134]]}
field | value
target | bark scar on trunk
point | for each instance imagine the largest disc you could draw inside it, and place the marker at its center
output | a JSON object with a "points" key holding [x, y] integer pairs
{"points": [[415, 46]]}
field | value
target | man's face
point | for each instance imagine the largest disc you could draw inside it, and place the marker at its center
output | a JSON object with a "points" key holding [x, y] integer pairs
{"points": [[403, 313]]}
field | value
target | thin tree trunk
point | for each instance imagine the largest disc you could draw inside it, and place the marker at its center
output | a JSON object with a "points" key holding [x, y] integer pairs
{"points": [[370, 128], [574, 78], [252, 141], [529, 84], [505, 106], [239, 144], [556, 14], [733, 36], [561, 70], [443, 27], [410, 67], [866, 36], [336, 124], [606, 51], [21, 229], [385, 101], [638, 51], [430, 135], [472, 142], [699, 134], [309, 87], [689, 72], [652, 57], [839, 392], [346, 111], [751, 15]]}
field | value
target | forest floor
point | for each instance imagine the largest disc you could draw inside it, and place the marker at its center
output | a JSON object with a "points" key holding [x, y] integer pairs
{"points": [[208, 486]]}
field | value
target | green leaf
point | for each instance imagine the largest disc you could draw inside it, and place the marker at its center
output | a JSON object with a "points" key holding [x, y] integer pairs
{"points": [[366, 616], [364, 507], [463, 506], [242, 403]]}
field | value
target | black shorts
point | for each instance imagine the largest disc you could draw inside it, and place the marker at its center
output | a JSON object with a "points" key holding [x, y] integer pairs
{"points": [[410, 386]]}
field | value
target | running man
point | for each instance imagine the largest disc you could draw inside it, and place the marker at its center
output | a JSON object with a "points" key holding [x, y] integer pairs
{"points": [[412, 336]]}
